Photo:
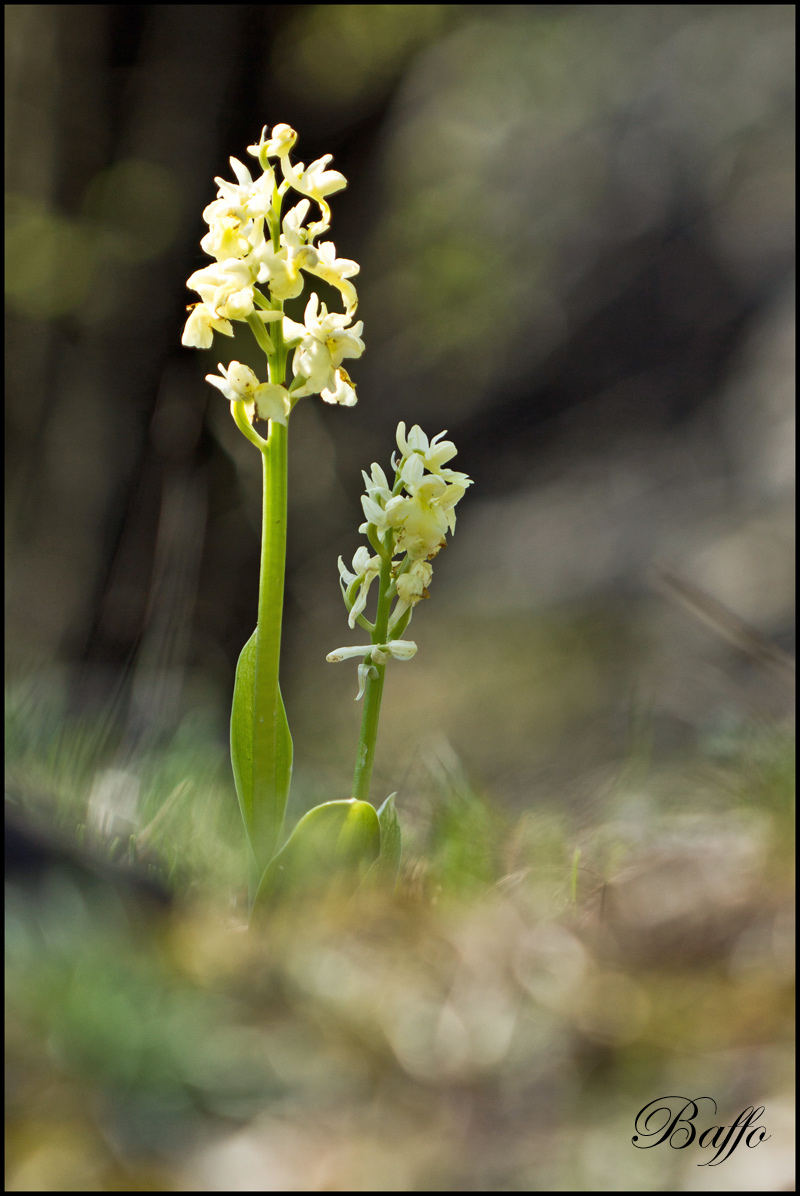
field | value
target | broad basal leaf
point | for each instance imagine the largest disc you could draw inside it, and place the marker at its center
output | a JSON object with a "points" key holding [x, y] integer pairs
{"points": [[332, 846], [262, 799]]}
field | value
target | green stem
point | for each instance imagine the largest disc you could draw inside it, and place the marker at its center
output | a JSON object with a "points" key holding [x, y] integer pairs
{"points": [[245, 427], [277, 362], [369, 734], [266, 695], [373, 692]]}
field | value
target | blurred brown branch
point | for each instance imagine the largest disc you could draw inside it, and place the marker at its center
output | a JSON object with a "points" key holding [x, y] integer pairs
{"points": [[734, 630]]}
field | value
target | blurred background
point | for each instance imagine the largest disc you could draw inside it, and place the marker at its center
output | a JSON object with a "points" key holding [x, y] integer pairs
{"points": [[575, 226]]}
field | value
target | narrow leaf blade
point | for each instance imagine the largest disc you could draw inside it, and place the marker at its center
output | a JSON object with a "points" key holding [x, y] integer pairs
{"points": [[284, 752], [242, 732]]}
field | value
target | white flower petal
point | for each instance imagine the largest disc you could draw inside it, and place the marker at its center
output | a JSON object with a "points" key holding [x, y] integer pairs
{"points": [[365, 671], [346, 653], [412, 470], [221, 384], [272, 402], [372, 511], [400, 649]]}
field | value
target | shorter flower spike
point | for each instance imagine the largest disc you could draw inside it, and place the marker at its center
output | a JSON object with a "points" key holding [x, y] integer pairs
{"points": [[406, 523]]}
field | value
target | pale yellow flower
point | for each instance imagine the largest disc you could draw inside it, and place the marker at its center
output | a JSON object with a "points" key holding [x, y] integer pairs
{"points": [[226, 238], [433, 453], [246, 198], [412, 585], [377, 483], [319, 355], [279, 270], [201, 325], [344, 391], [316, 182], [422, 518], [277, 146], [366, 569], [373, 654], [323, 262], [226, 288], [239, 384]]}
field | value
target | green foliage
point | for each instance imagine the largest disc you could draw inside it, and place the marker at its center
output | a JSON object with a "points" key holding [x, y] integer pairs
{"points": [[463, 845], [187, 1028], [262, 801], [373, 43], [765, 763], [391, 841], [331, 847], [183, 827], [384, 872], [116, 1013]]}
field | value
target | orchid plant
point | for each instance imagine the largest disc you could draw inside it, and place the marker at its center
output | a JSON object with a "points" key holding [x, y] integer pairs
{"points": [[262, 258]]}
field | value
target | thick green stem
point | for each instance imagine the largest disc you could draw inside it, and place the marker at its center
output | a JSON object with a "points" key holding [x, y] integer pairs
{"points": [[373, 692], [266, 696], [266, 691], [369, 734]]}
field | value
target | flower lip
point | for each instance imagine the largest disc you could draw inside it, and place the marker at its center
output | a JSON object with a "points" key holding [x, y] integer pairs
{"points": [[379, 653], [201, 325]]}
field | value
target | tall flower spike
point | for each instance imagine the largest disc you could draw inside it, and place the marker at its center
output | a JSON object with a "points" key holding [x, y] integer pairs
{"points": [[262, 257], [251, 252]]}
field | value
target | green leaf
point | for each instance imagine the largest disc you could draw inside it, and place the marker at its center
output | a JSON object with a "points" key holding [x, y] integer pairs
{"points": [[332, 846], [279, 793], [262, 800], [242, 731], [384, 872], [388, 864]]}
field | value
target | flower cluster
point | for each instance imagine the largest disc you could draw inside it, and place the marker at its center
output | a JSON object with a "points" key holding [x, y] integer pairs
{"points": [[261, 259], [406, 524]]}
